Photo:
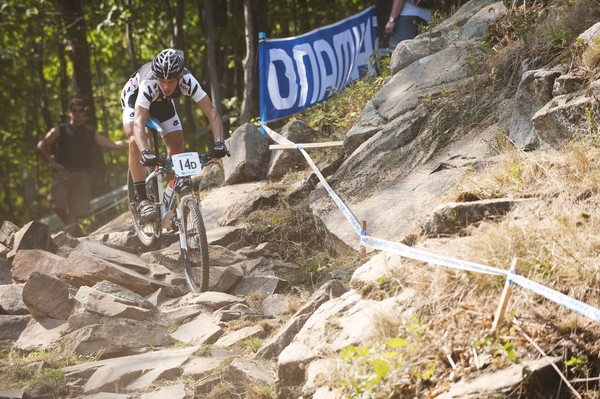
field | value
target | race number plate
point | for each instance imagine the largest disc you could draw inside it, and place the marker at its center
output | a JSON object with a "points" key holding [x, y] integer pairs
{"points": [[187, 164]]}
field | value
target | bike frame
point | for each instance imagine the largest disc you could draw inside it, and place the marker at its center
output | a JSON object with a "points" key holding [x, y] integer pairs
{"points": [[166, 210], [182, 212]]}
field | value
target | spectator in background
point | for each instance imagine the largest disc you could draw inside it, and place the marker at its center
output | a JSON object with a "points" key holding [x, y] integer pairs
{"points": [[405, 18], [71, 191]]}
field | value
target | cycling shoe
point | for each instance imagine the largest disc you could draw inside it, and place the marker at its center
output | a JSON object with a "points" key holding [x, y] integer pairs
{"points": [[147, 211]]}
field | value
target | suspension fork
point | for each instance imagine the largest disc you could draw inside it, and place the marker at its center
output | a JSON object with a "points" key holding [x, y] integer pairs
{"points": [[181, 223]]}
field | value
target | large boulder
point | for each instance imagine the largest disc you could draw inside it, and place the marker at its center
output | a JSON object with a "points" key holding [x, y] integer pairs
{"points": [[534, 91], [34, 235], [249, 159], [283, 161], [48, 297]]}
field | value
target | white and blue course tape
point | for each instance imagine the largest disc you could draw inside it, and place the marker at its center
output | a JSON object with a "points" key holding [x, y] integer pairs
{"points": [[424, 256]]}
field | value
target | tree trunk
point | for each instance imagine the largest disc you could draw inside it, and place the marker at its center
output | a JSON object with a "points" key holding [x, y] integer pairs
{"points": [[43, 97], [74, 21], [211, 53], [76, 28], [129, 29], [178, 42], [249, 63]]}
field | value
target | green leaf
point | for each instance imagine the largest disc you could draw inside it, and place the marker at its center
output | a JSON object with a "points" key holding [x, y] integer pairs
{"points": [[396, 343], [381, 368]]}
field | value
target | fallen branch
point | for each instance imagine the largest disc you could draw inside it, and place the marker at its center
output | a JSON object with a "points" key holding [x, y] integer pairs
{"points": [[554, 366]]}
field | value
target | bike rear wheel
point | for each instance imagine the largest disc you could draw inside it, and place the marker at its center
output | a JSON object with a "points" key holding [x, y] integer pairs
{"points": [[148, 232], [195, 258]]}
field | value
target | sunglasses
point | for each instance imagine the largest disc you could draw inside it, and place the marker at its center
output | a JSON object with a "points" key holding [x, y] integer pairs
{"points": [[77, 110]]}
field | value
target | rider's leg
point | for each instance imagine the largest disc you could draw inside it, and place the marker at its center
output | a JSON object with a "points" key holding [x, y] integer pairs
{"points": [[171, 128], [137, 170], [174, 142]]}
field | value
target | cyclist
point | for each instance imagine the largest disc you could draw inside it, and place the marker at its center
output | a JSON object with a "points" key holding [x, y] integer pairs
{"points": [[149, 93]]}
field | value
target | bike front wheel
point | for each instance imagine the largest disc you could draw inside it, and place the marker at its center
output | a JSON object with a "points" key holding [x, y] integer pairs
{"points": [[195, 257]]}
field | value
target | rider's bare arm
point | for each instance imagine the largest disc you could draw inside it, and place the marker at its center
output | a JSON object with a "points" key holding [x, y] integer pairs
{"points": [[139, 131], [214, 119]]}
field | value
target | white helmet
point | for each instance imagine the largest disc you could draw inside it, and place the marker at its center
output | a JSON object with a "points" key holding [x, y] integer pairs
{"points": [[168, 64]]}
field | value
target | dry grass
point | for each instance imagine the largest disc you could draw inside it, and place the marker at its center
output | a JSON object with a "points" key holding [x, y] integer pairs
{"points": [[41, 372], [555, 237], [591, 55], [556, 240], [557, 234], [300, 239]]}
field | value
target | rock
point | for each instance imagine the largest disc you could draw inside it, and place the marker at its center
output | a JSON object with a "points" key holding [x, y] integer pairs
{"points": [[221, 256], [7, 233], [41, 334], [561, 119], [11, 326], [106, 304], [250, 154], [224, 278], [13, 394], [11, 300], [5, 272], [259, 200], [212, 176], [34, 235], [234, 337], [128, 374], [534, 91], [283, 161], [201, 367], [276, 305], [346, 312], [273, 347], [47, 297], [567, 84], [176, 391], [107, 253], [383, 265], [91, 334], [250, 372], [370, 123], [503, 381], [215, 300], [198, 331], [82, 269], [26, 262], [259, 284], [453, 217]]}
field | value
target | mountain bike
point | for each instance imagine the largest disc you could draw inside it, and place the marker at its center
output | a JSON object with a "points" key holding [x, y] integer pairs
{"points": [[179, 211]]}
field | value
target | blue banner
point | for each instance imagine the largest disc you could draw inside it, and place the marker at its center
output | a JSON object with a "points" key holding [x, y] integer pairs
{"points": [[300, 71]]}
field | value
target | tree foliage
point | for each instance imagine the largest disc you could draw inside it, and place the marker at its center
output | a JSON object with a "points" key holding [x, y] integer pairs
{"points": [[38, 79]]}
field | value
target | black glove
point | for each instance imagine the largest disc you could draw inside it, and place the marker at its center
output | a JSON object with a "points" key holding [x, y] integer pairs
{"points": [[219, 150], [148, 158]]}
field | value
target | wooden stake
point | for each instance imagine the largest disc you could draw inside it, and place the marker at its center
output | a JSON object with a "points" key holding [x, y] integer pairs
{"points": [[501, 310], [305, 145], [363, 249]]}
